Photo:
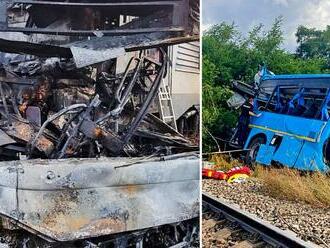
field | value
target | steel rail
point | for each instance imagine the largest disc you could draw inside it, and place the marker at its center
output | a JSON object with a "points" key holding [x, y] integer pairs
{"points": [[269, 233]]}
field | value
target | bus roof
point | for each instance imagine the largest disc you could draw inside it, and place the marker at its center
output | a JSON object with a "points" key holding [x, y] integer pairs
{"points": [[294, 76], [316, 81], [269, 82]]}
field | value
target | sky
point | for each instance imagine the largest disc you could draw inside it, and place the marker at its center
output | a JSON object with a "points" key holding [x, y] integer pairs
{"points": [[248, 13]]}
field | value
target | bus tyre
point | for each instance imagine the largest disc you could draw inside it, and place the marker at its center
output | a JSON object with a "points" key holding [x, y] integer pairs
{"points": [[253, 147], [326, 152]]}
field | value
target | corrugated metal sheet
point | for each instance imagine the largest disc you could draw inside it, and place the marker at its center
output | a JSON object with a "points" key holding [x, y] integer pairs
{"points": [[188, 57]]}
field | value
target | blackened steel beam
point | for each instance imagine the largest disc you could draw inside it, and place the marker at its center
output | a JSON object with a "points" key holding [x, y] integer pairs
{"points": [[93, 32], [151, 95], [100, 4], [129, 43], [42, 50]]}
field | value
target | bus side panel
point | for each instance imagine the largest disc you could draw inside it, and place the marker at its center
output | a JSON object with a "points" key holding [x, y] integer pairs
{"points": [[288, 151], [296, 131], [286, 154], [301, 128], [311, 156], [272, 124]]}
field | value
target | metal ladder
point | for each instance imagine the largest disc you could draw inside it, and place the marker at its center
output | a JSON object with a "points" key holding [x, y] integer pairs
{"points": [[165, 106]]}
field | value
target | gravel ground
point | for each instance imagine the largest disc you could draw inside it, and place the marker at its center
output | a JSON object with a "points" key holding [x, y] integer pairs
{"points": [[308, 222]]}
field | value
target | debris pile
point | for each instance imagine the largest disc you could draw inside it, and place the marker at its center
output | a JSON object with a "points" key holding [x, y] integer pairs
{"points": [[66, 96], [50, 109]]}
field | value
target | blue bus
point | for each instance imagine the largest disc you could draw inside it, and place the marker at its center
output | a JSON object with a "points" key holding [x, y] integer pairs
{"points": [[293, 129]]}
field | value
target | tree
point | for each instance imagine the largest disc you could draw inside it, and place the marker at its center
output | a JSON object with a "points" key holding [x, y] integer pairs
{"points": [[313, 43]]}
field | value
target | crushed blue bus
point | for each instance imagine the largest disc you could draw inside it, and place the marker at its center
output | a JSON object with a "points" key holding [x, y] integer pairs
{"points": [[293, 129]]}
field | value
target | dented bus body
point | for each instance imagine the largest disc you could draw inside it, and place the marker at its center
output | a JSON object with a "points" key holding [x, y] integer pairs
{"points": [[293, 129]]}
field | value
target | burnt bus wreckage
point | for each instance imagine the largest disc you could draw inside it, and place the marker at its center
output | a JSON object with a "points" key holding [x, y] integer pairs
{"points": [[84, 157]]}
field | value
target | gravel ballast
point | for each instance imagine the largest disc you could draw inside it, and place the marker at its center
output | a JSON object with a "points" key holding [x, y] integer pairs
{"points": [[308, 222]]}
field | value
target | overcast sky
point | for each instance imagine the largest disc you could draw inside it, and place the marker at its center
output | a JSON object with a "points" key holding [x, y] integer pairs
{"points": [[248, 13]]}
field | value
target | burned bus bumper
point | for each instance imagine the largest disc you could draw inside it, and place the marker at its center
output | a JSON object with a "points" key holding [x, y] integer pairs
{"points": [[64, 200]]}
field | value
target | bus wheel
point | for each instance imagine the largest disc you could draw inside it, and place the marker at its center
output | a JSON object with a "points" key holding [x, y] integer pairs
{"points": [[326, 152], [253, 147]]}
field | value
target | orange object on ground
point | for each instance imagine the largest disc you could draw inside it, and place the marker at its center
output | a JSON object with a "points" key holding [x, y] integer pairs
{"points": [[231, 175], [239, 170], [220, 175]]}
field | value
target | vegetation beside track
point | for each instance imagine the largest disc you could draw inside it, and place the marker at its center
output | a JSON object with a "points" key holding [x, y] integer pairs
{"points": [[284, 183]]}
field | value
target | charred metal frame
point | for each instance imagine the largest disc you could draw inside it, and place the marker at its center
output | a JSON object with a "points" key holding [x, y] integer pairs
{"points": [[52, 118], [86, 124], [151, 95], [174, 235], [178, 11]]}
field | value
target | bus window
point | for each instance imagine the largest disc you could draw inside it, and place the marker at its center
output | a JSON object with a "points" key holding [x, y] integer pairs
{"points": [[312, 108], [325, 108], [271, 104], [303, 102], [297, 103]]}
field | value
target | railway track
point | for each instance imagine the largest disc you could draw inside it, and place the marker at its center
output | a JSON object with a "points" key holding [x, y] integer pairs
{"points": [[182, 234], [225, 225]]}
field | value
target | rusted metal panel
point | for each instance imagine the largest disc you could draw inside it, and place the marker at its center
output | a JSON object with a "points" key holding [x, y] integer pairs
{"points": [[24, 132], [79, 198], [80, 54]]}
